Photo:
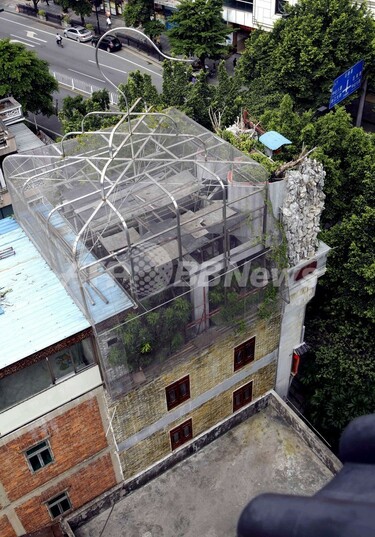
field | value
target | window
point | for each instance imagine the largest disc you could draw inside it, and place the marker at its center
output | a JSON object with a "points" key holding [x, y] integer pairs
{"points": [[59, 505], [181, 434], [177, 392], [39, 456], [242, 396], [244, 353], [280, 7]]}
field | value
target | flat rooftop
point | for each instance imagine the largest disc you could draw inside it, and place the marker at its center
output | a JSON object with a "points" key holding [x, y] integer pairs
{"points": [[35, 309], [203, 496]]}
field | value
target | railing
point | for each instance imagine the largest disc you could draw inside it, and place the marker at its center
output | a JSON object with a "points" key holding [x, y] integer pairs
{"points": [[81, 86]]}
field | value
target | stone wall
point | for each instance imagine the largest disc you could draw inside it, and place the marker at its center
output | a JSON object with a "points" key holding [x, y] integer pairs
{"points": [[303, 204]]}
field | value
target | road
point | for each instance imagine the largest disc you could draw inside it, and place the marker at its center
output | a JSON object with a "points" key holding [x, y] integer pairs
{"points": [[76, 60]]}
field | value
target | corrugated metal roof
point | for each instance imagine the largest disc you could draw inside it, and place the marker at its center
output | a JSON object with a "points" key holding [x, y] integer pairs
{"points": [[38, 312], [26, 140]]}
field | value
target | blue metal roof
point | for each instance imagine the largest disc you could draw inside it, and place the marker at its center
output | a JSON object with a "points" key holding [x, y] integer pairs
{"points": [[38, 311], [273, 140]]}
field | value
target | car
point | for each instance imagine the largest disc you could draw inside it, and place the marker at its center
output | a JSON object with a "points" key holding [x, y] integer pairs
{"points": [[79, 33], [110, 43]]}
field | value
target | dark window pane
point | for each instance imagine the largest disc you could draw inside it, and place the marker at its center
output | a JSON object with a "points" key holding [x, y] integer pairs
{"points": [[237, 399], [186, 431], [36, 448], [65, 505], [35, 463], [176, 437], [46, 456], [172, 396], [55, 511], [183, 389]]}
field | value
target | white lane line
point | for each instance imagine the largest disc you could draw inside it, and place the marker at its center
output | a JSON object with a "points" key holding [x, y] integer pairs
{"points": [[24, 38], [26, 26], [84, 74], [22, 42], [108, 67], [32, 35], [133, 63]]}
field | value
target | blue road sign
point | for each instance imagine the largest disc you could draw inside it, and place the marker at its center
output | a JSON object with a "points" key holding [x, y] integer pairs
{"points": [[346, 84]]}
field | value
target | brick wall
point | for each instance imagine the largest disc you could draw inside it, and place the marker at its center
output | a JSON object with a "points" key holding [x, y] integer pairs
{"points": [[157, 446], [6, 529], [82, 487], [146, 404], [74, 436]]}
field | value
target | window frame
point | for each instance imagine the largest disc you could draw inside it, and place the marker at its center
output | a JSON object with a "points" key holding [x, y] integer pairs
{"points": [[241, 391], [56, 501], [176, 386], [37, 454], [179, 428], [238, 365]]}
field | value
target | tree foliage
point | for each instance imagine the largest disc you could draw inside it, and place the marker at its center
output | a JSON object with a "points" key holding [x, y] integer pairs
{"points": [[81, 8], [138, 12], [26, 77], [199, 29], [139, 85], [307, 50], [75, 108], [176, 79]]}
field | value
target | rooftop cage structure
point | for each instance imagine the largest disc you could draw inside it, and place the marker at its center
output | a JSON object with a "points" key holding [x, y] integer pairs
{"points": [[154, 223]]}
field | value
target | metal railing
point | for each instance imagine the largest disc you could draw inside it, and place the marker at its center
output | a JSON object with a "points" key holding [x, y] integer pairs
{"points": [[81, 86]]}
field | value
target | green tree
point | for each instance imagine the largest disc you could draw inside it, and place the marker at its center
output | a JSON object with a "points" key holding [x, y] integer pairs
{"points": [[75, 108], [79, 7], [138, 12], [154, 28], [139, 85], [198, 100], [340, 376], [26, 77], [199, 29], [176, 78], [227, 99], [307, 50]]}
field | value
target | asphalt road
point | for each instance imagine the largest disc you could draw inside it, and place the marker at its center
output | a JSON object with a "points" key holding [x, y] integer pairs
{"points": [[74, 63]]}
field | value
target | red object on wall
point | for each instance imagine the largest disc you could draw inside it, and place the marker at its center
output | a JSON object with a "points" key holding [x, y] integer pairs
{"points": [[306, 270], [295, 364]]}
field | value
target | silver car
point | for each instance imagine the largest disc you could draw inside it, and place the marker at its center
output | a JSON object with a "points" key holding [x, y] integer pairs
{"points": [[79, 33]]}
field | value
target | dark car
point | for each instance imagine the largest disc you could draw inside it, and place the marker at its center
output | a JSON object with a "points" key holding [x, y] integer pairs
{"points": [[110, 43]]}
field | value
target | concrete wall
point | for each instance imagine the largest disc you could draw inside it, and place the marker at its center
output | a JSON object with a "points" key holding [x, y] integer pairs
{"points": [[142, 421], [84, 463]]}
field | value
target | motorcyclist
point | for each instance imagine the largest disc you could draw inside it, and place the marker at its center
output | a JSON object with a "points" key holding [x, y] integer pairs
{"points": [[58, 39]]}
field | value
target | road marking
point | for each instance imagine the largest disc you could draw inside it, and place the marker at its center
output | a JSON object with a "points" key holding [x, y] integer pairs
{"points": [[32, 35], [22, 42], [25, 25], [133, 63], [108, 67], [84, 74]]}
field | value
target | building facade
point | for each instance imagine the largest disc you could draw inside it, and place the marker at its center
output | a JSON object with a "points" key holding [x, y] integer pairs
{"points": [[169, 243]]}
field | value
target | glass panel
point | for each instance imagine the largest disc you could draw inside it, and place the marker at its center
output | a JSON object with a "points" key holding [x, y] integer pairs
{"points": [[83, 354], [246, 393], [186, 431], [175, 437], [39, 446], [61, 364], [183, 389], [46, 456], [172, 396], [237, 399], [35, 463], [55, 511], [65, 505], [24, 384]]}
